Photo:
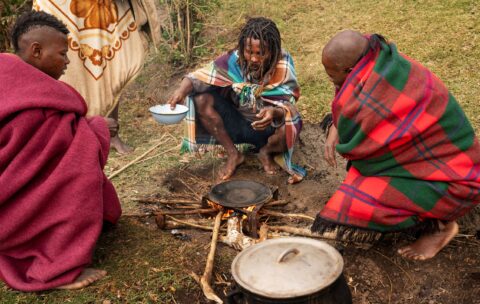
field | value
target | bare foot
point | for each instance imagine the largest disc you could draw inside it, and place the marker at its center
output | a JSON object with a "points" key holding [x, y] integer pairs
{"points": [[268, 164], [87, 277], [232, 163], [120, 146], [428, 245], [295, 178]]}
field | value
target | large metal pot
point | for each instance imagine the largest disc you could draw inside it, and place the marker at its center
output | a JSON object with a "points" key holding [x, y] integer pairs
{"points": [[289, 270]]}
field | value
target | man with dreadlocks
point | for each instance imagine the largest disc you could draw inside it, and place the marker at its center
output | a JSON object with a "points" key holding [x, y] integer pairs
{"points": [[246, 95]]}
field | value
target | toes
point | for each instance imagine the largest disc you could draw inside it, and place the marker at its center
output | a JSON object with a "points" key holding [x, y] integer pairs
{"points": [[409, 253], [271, 172], [294, 179], [227, 175]]}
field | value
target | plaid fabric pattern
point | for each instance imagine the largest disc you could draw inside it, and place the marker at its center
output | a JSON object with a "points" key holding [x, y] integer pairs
{"points": [[414, 154], [282, 90]]}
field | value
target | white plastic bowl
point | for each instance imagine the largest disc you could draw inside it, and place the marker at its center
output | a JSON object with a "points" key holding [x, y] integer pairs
{"points": [[164, 115]]}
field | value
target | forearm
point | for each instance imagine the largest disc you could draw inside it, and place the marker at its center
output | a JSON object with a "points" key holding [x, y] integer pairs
{"points": [[185, 87]]}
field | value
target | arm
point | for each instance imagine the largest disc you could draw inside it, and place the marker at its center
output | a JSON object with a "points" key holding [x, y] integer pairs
{"points": [[178, 96], [330, 143]]}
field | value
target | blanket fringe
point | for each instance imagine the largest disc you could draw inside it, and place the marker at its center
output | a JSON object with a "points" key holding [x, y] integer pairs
{"points": [[470, 222], [326, 123], [187, 148], [362, 235]]}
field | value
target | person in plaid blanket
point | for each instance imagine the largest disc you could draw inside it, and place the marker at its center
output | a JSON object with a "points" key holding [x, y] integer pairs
{"points": [[245, 96], [413, 156]]}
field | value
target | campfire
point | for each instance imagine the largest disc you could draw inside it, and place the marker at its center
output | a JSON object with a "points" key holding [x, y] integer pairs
{"points": [[243, 213]]}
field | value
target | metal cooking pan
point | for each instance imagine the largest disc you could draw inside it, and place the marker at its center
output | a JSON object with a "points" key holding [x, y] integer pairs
{"points": [[240, 193]]}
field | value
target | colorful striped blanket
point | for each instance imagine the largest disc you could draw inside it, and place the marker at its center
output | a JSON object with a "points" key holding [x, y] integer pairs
{"points": [[414, 154], [282, 90]]}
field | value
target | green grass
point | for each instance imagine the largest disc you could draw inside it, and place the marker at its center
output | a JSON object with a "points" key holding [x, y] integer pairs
{"points": [[443, 35], [143, 264], [148, 266]]}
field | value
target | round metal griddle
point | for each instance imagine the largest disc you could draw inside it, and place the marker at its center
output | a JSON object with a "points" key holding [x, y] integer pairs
{"points": [[240, 194]]}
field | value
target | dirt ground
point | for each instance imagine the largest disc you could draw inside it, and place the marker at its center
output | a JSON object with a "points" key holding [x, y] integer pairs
{"points": [[375, 275]]}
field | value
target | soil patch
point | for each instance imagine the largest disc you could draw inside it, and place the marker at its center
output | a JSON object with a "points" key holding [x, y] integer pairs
{"points": [[376, 274]]}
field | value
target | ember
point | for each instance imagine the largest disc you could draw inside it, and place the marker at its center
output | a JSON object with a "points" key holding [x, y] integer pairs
{"points": [[239, 203]]}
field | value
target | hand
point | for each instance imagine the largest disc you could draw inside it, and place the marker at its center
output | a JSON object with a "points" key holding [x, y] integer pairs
{"points": [[113, 126], [180, 93], [266, 116], [330, 143], [177, 97]]}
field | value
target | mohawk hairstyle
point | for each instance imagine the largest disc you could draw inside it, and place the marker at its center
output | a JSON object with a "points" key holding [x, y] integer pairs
{"points": [[267, 32], [34, 19]]}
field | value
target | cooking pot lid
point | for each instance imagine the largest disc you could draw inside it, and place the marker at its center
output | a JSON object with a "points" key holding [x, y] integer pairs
{"points": [[239, 193], [287, 267]]}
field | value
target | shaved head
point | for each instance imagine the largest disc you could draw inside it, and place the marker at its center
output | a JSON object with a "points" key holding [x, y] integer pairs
{"points": [[342, 53], [33, 20], [345, 48]]}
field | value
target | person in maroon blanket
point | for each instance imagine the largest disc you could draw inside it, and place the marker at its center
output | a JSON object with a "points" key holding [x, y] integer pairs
{"points": [[55, 196]]}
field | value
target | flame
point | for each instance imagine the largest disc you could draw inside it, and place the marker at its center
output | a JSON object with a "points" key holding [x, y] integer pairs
{"points": [[229, 212]]}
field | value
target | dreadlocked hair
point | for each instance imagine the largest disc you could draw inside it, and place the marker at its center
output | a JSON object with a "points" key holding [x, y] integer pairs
{"points": [[266, 31], [34, 19]]}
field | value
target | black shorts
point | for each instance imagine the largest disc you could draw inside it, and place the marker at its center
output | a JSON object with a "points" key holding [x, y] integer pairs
{"points": [[238, 128]]}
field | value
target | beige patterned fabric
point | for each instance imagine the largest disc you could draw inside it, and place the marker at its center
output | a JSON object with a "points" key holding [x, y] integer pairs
{"points": [[105, 47]]}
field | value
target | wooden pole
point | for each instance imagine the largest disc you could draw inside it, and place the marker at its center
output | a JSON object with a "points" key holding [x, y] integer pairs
{"points": [[207, 274], [287, 215]]}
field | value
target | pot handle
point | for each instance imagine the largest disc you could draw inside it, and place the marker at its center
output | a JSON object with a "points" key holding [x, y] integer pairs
{"points": [[232, 294], [283, 255]]}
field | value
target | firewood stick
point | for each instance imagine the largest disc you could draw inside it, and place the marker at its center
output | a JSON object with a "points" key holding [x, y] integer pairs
{"points": [[147, 214], [190, 224], [159, 154], [207, 274], [137, 159], [185, 206], [181, 212], [174, 225], [165, 201], [276, 203], [301, 232], [191, 190], [263, 234], [289, 215]]}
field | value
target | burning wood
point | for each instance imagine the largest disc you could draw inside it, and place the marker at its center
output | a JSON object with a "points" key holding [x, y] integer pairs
{"points": [[238, 214], [235, 237]]}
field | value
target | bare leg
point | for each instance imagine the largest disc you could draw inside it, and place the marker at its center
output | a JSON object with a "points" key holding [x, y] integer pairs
{"points": [[276, 144], [213, 123], [87, 277], [116, 142], [428, 245]]}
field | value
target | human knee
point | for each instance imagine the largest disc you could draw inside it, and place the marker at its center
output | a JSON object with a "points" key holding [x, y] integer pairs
{"points": [[203, 102]]}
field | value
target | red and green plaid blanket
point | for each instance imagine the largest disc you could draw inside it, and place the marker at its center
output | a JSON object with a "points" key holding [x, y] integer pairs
{"points": [[281, 90], [414, 154]]}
